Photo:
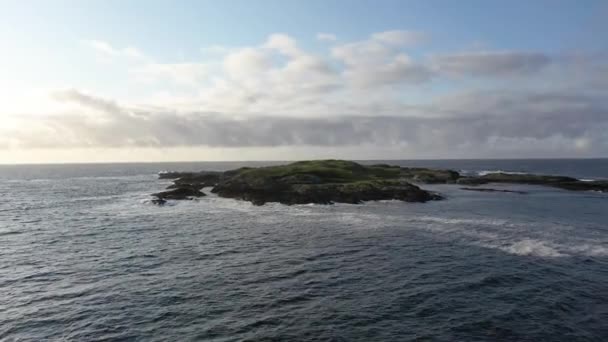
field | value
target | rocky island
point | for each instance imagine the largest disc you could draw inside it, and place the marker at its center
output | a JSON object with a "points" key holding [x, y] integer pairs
{"points": [[339, 181], [321, 182]]}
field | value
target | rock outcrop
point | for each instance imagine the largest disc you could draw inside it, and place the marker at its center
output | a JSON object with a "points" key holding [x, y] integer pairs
{"points": [[339, 181], [354, 192], [322, 182], [494, 190], [567, 183], [178, 194]]}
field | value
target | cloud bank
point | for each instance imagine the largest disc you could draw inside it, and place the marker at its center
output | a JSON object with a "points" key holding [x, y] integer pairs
{"points": [[503, 122], [379, 91]]}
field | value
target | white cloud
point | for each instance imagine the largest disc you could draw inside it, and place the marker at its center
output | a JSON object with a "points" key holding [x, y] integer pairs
{"points": [[192, 74], [277, 93], [143, 67], [247, 62], [110, 51], [284, 44], [275, 75], [326, 37], [380, 60]]}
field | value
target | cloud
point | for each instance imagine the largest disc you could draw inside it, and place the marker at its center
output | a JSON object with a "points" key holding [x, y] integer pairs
{"points": [[326, 37], [400, 69], [179, 73], [110, 51], [375, 92], [533, 123], [279, 68], [490, 63], [283, 44], [145, 68], [247, 62], [270, 76], [399, 38], [380, 60], [364, 53], [88, 101]]}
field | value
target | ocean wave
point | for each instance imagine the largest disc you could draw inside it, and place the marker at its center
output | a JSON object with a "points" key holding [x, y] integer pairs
{"points": [[530, 247], [591, 250], [457, 221], [488, 172], [517, 238]]}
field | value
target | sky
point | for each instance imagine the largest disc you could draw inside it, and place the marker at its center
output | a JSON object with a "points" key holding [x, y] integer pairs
{"points": [[129, 81]]}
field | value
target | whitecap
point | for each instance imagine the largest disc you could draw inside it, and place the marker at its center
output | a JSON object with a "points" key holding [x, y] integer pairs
{"points": [[590, 250], [487, 172], [531, 247], [456, 221]]}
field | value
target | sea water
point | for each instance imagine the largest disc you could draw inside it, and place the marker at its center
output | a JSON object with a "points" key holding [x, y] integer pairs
{"points": [[84, 256]]}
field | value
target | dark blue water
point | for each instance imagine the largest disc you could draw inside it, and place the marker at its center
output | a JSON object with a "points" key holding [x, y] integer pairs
{"points": [[84, 257]]}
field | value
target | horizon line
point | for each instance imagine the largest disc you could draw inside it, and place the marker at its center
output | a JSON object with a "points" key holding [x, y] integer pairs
{"points": [[290, 160]]}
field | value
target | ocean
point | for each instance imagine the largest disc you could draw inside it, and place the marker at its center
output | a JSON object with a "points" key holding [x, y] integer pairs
{"points": [[84, 256]]}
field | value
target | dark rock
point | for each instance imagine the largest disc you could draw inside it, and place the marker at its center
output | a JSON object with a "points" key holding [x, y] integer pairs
{"points": [[158, 201], [172, 174], [471, 181], [567, 183], [600, 186], [194, 181], [179, 194], [195, 186], [321, 182], [384, 166], [430, 176], [494, 190], [204, 179], [525, 178], [333, 181], [192, 177]]}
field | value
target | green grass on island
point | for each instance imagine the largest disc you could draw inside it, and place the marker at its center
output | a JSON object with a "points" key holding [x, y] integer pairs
{"points": [[341, 171]]}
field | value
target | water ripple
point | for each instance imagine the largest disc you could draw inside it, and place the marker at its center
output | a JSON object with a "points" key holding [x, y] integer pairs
{"points": [[83, 260]]}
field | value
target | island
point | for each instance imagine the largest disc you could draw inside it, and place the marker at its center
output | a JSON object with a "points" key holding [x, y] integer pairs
{"points": [[320, 182], [341, 181]]}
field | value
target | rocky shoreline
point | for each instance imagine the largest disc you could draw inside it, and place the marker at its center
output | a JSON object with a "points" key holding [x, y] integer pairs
{"points": [[339, 181]]}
